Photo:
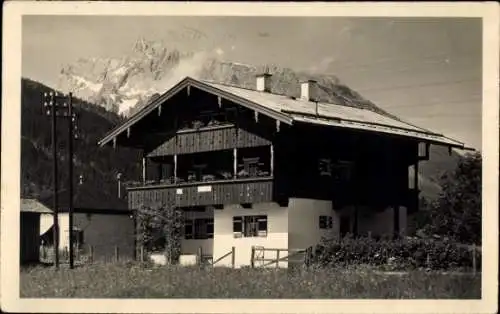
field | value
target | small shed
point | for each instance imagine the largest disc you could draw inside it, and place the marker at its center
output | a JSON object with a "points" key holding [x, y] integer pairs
{"points": [[30, 230], [101, 220]]}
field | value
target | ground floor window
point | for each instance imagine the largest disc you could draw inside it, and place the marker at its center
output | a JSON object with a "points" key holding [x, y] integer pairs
{"points": [[325, 222], [199, 228], [250, 226]]}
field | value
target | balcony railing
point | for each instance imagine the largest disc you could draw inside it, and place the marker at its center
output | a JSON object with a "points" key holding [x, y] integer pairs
{"points": [[212, 138], [218, 192]]}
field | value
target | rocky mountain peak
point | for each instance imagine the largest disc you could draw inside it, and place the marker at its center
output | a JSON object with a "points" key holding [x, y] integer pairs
{"points": [[123, 85]]}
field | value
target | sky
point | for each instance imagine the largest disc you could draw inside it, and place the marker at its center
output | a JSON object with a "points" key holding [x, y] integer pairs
{"points": [[425, 70]]}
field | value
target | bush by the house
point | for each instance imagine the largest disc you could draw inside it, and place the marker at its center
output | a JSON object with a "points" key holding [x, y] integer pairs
{"points": [[396, 254], [456, 213]]}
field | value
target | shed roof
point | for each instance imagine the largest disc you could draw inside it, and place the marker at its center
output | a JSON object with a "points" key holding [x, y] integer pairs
{"points": [[29, 205], [290, 110]]}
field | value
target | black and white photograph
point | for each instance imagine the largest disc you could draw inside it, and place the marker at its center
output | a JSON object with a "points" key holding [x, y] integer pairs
{"points": [[317, 155]]}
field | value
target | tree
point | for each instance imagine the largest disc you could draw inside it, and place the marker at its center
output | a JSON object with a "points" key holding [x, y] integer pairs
{"points": [[160, 228], [456, 213]]}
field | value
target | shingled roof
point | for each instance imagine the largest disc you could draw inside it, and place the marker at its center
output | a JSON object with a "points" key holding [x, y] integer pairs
{"points": [[29, 205], [291, 110]]}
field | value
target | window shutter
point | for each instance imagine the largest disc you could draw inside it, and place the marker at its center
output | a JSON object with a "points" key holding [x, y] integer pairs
{"points": [[237, 226], [262, 226], [322, 222], [210, 228]]}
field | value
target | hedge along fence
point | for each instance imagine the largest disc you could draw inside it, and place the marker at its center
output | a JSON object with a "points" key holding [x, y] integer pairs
{"points": [[398, 254]]}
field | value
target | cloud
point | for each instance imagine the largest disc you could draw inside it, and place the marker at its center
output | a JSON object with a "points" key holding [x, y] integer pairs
{"points": [[219, 51], [192, 67], [326, 61], [322, 66]]}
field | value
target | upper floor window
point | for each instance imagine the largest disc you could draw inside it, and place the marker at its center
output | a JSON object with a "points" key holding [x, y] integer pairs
{"points": [[339, 170], [208, 118], [325, 167]]}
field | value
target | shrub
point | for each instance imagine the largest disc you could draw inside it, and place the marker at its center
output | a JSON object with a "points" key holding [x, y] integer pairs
{"points": [[396, 254]]}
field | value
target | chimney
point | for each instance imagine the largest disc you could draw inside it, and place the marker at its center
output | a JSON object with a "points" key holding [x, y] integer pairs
{"points": [[307, 90], [264, 82]]}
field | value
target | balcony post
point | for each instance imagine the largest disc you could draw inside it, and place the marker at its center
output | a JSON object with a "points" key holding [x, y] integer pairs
{"points": [[415, 184], [144, 168], [235, 162], [272, 160], [175, 168], [159, 174]]}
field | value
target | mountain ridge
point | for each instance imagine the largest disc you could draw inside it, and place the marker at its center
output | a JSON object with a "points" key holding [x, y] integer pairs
{"points": [[125, 84]]}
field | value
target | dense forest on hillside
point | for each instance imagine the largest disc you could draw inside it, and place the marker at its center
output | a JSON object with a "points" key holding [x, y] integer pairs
{"points": [[98, 166]]}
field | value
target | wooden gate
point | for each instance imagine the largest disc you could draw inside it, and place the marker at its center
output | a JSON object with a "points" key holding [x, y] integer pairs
{"points": [[258, 256]]}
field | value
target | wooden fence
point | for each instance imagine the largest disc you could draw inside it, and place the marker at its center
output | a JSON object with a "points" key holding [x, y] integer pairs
{"points": [[281, 255], [83, 255], [208, 260]]}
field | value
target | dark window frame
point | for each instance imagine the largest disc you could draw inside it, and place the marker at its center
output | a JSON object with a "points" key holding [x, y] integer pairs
{"points": [[198, 228], [325, 222], [250, 226]]}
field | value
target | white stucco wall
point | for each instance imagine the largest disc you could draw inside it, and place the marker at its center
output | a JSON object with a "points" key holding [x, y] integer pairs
{"points": [[47, 220], [303, 222], [277, 232]]}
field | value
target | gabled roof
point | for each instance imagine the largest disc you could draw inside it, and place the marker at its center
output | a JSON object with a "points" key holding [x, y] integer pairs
{"points": [[291, 110], [29, 205]]}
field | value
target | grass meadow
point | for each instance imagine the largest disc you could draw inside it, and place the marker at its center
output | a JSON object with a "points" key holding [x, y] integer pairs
{"points": [[122, 280]]}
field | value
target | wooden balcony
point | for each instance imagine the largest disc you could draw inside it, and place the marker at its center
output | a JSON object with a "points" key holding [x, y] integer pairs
{"points": [[221, 192], [208, 139]]}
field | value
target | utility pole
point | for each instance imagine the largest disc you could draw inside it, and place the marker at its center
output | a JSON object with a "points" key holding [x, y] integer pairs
{"points": [[54, 110], [71, 124]]}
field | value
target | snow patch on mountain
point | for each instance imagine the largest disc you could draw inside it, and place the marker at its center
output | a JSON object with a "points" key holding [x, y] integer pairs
{"points": [[83, 83], [124, 85], [127, 104]]}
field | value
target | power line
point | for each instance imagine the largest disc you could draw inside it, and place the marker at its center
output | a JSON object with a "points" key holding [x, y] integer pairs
{"points": [[443, 102], [418, 85], [386, 60], [407, 68], [446, 115]]}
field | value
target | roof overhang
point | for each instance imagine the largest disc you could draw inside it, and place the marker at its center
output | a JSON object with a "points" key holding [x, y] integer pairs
{"points": [[429, 137], [184, 83]]}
